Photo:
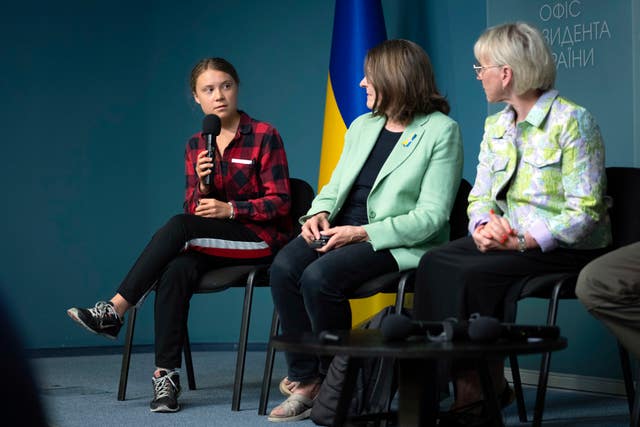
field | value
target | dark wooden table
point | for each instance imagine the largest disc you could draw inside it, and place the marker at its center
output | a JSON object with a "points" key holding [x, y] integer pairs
{"points": [[417, 367]]}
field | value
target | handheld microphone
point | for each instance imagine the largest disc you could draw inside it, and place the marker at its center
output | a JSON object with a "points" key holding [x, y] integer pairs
{"points": [[489, 329], [396, 327], [210, 129]]}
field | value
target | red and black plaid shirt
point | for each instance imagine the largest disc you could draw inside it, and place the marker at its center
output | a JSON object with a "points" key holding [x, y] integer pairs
{"points": [[253, 175]]}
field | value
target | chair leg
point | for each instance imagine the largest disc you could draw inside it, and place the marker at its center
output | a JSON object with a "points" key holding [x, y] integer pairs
{"points": [[627, 375], [542, 389], [383, 393], [126, 354], [400, 293], [491, 404], [546, 358], [635, 413], [392, 420], [188, 361], [242, 343], [268, 366], [517, 387]]}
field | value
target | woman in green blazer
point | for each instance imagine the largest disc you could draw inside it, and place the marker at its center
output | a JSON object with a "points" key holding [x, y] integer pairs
{"points": [[387, 202]]}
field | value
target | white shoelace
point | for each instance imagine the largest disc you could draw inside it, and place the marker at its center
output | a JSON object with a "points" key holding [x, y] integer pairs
{"points": [[102, 310], [163, 386]]}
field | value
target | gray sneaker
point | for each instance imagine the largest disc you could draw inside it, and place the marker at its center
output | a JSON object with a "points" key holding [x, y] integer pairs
{"points": [[166, 389], [101, 319]]}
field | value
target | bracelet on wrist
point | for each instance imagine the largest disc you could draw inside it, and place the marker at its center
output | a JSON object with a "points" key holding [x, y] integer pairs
{"points": [[232, 215], [522, 243]]}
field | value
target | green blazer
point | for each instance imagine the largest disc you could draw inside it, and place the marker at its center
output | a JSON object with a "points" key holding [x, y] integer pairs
{"points": [[410, 201]]}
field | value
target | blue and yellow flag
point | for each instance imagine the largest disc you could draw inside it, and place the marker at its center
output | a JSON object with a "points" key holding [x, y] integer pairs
{"points": [[358, 25]]}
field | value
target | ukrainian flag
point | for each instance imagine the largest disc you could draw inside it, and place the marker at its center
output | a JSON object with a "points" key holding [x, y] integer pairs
{"points": [[358, 25]]}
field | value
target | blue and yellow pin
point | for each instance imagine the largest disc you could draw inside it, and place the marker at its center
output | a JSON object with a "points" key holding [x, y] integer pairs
{"points": [[407, 142]]}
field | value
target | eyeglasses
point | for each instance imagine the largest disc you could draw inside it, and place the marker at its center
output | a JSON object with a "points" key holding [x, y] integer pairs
{"points": [[480, 68]]}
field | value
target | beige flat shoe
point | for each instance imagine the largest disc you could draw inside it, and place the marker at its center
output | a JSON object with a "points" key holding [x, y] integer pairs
{"points": [[296, 407]]}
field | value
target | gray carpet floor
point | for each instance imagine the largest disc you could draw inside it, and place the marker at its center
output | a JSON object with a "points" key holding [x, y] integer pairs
{"points": [[82, 390]]}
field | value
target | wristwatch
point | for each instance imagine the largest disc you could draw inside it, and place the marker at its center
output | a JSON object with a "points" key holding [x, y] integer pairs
{"points": [[522, 243]]}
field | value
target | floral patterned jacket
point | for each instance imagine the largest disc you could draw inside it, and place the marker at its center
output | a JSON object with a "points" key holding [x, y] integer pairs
{"points": [[545, 175]]}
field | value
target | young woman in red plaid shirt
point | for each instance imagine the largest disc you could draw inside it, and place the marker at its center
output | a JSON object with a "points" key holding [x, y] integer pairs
{"points": [[240, 217]]}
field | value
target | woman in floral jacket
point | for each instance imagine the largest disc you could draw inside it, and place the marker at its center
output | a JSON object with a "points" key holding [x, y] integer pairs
{"points": [[537, 205]]}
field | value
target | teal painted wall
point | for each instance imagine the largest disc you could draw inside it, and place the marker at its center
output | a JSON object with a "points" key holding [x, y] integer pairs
{"points": [[95, 114]]}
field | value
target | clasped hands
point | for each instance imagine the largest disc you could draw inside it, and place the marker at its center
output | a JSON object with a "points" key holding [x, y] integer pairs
{"points": [[338, 236], [496, 234]]}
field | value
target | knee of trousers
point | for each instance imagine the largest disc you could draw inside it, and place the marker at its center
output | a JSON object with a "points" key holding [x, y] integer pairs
{"points": [[175, 224], [287, 266], [315, 284], [434, 272], [427, 261], [178, 274], [435, 260], [282, 273], [589, 288], [424, 261]]}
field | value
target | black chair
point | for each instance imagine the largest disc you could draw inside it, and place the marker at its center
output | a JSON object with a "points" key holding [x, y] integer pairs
{"points": [[633, 396], [242, 276], [623, 184], [398, 282], [634, 402], [635, 408]]}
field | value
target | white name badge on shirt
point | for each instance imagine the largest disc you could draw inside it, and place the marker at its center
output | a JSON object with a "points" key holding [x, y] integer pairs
{"points": [[242, 161]]}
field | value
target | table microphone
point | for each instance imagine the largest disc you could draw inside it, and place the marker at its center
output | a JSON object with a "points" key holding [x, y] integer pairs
{"points": [[489, 329], [396, 327], [210, 129]]}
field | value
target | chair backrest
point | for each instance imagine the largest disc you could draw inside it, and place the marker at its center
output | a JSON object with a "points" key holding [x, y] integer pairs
{"points": [[623, 185], [302, 195], [458, 219], [400, 282]]}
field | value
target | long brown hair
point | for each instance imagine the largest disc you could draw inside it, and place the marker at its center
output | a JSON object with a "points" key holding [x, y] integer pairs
{"points": [[402, 75]]}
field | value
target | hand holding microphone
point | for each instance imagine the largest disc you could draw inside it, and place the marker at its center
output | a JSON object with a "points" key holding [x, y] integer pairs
{"points": [[210, 129]]}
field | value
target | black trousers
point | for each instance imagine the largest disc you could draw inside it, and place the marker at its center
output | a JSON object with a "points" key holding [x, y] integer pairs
{"points": [[311, 293], [456, 279], [176, 272]]}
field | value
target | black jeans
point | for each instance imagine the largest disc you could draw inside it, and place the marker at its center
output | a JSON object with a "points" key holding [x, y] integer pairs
{"points": [[177, 273], [311, 293], [456, 279]]}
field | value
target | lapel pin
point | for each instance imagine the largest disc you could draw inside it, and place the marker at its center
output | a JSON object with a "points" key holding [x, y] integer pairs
{"points": [[407, 142]]}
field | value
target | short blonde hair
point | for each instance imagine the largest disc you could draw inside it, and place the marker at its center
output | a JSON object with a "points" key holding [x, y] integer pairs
{"points": [[523, 48]]}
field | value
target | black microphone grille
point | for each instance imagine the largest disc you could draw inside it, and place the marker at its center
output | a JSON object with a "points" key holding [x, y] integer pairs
{"points": [[396, 327], [485, 329], [211, 125]]}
